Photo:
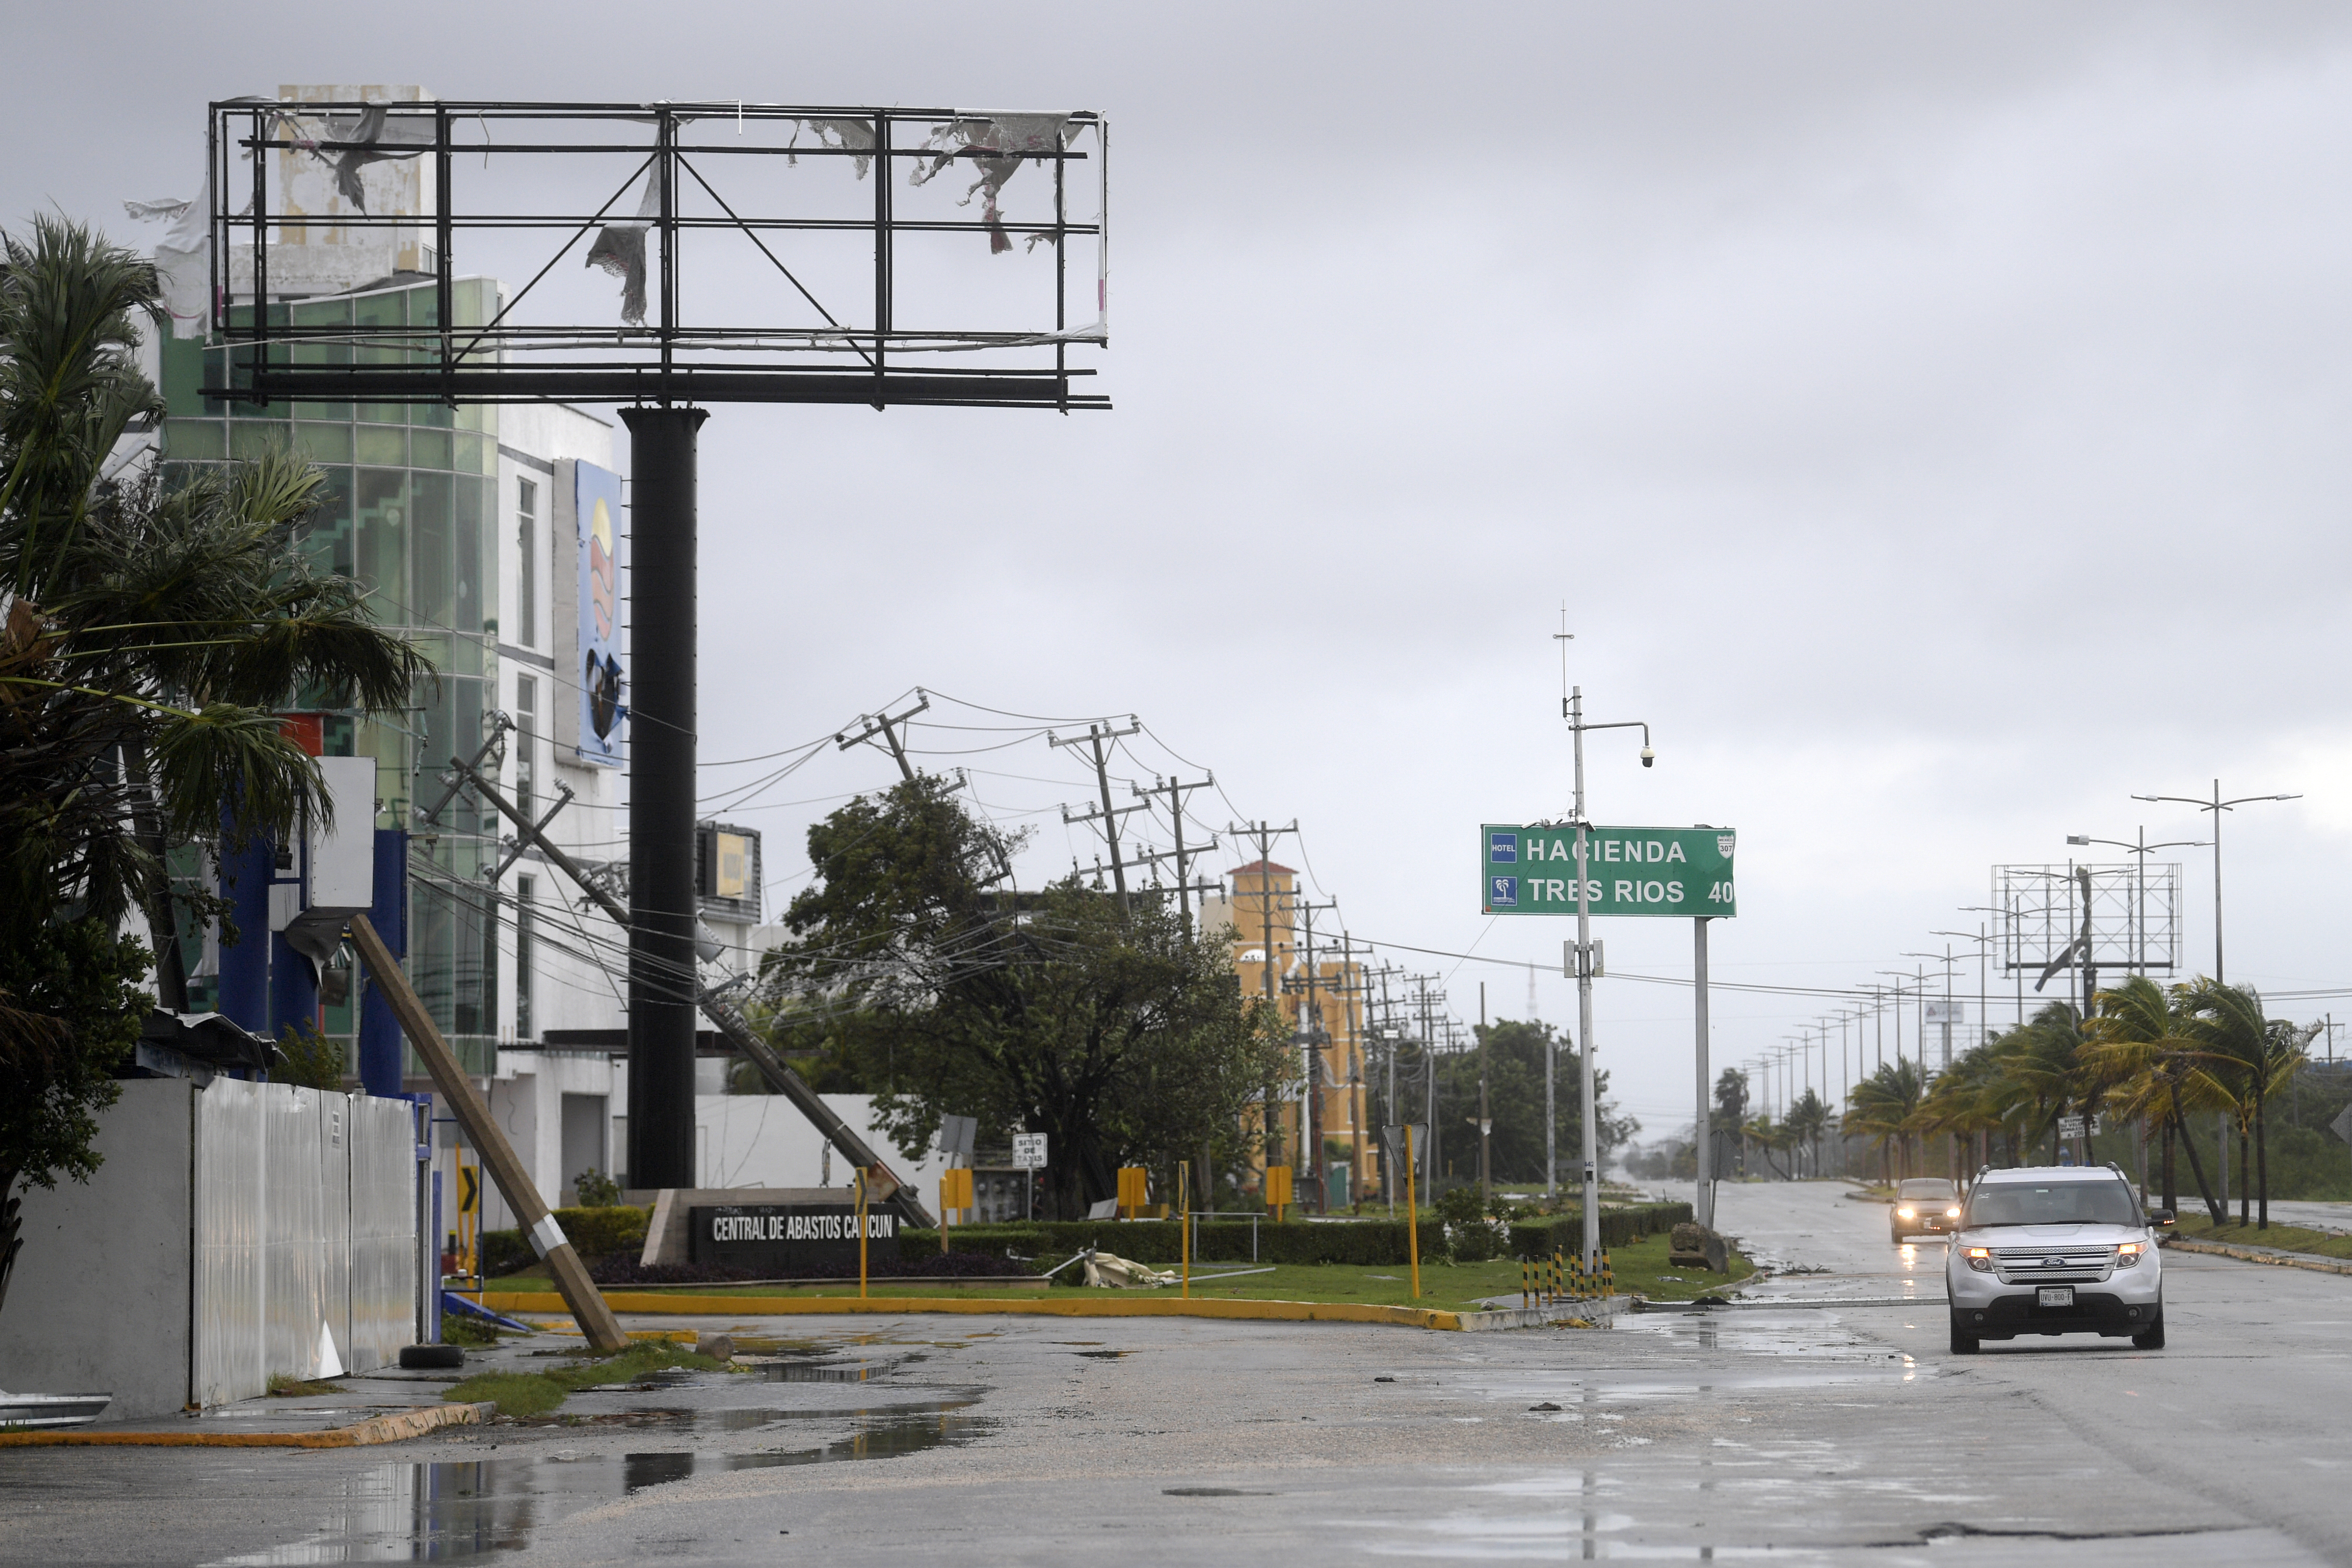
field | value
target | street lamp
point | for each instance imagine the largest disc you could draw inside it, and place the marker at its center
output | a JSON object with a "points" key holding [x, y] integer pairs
{"points": [[1899, 978], [2139, 914], [1984, 950], [2217, 806], [1944, 958], [1571, 708]]}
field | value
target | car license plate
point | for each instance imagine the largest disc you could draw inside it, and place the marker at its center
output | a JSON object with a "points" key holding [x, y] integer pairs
{"points": [[2057, 1295]]}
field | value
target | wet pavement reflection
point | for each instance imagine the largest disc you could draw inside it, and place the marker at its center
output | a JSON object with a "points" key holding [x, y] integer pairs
{"points": [[455, 1511]]}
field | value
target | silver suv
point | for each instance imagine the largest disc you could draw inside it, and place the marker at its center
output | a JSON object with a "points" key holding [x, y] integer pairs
{"points": [[2055, 1249]]}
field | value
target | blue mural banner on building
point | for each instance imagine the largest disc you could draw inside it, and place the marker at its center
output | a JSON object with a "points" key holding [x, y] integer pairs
{"points": [[603, 688]]}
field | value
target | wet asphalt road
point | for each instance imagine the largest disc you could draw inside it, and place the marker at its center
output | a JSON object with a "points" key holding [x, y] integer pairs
{"points": [[1805, 1434]]}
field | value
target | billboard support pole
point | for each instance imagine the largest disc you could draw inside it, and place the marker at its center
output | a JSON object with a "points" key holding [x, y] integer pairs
{"points": [[662, 978]]}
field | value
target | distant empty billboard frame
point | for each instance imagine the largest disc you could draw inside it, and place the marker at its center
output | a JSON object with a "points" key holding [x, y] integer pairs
{"points": [[677, 253]]}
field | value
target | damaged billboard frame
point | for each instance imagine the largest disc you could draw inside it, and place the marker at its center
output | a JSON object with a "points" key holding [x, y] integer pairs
{"points": [[674, 253]]}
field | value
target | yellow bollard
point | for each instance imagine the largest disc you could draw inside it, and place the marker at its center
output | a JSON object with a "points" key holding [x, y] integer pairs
{"points": [[1412, 1220], [1608, 1275], [861, 1233], [1183, 1229]]}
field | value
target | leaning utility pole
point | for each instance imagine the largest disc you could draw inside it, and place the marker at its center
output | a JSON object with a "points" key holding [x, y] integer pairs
{"points": [[1176, 791], [1097, 737], [1309, 1017], [886, 724]]}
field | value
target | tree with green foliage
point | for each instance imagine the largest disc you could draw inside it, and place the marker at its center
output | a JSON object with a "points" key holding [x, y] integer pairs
{"points": [[2139, 1040], [1116, 1033], [1515, 1052], [72, 989], [1885, 1107], [147, 639]]}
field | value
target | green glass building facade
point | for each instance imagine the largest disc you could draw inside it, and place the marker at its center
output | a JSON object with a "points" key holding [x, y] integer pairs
{"points": [[411, 508]]}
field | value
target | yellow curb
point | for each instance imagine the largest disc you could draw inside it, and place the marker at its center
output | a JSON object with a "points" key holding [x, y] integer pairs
{"points": [[390, 1429], [1046, 1307]]}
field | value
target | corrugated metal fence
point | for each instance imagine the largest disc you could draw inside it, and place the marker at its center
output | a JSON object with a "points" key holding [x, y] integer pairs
{"points": [[305, 1232]]}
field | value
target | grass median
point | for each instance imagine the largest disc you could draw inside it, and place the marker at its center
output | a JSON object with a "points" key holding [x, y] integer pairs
{"points": [[537, 1392], [1642, 1267], [2196, 1226]]}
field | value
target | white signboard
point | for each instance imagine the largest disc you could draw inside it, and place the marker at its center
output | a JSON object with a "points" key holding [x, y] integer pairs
{"points": [[1029, 1150]]}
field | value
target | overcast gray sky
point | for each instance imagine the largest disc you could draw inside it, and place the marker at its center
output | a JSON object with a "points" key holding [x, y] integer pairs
{"points": [[1933, 418]]}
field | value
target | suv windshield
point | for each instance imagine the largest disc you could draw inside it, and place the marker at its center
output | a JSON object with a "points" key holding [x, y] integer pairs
{"points": [[2060, 1203], [1925, 1189]]}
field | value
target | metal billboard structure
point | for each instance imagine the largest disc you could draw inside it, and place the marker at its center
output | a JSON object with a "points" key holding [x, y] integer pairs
{"points": [[743, 276], [678, 254], [2088, 918]]}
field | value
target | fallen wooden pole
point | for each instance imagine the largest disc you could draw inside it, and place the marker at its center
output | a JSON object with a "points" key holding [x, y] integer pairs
{"points": [[595, 1319]]}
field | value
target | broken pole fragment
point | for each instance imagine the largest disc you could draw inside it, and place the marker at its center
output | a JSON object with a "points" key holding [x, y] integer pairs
{"points": [[596, 1320]]}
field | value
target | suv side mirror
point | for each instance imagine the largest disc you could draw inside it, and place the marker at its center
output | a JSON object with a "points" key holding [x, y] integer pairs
{"points": [[2161, 1218]]}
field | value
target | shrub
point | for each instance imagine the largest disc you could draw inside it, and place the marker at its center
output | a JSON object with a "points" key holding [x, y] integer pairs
{"points": [[1619, 1227], [593, 1233], [595, 1190]]}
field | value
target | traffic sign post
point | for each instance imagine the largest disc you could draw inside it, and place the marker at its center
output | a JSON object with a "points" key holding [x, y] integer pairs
{"points": [[1029, 1154], [1578, 868]]}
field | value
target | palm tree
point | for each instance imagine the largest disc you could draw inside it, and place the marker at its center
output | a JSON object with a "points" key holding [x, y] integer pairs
{"points": [[2043, 1077], [149, 637], [1806, 1121], [146, 640], [2245, 1059], [1885, 1107], [2140, 1043]]}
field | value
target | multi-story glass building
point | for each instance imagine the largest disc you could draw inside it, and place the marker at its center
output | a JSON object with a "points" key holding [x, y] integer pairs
{"points": [[411, 507]]}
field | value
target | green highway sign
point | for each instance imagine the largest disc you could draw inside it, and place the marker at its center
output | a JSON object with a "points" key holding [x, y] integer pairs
{"points": [[1676, 871]]}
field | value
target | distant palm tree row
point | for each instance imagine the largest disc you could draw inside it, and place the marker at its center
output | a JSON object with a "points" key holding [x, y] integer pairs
{"points": [[2149, 1053]]}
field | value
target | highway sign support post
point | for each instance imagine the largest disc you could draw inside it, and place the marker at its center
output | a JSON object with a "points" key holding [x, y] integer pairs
{"points": [[1684, 872]]}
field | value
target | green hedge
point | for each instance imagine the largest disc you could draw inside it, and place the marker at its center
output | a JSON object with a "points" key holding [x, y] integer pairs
{"points": [[593, 1233], [1619, 1227], [598, 1232], [1369, 1241], [1155, 1241]]}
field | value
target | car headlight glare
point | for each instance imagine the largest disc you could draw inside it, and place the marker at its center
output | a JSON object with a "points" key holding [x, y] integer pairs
{"points": [[1980, 1259], [1951, 1214], [1906, 1213], [2127, 1254]]}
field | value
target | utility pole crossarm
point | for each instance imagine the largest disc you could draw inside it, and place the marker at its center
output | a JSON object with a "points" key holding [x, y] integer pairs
{"points": [[885, 725]]}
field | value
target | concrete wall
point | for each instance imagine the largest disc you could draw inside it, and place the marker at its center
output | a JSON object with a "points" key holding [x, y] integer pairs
{"points": [[226, 1226], [760, 1141], [527, 1101], [101, 1297]]}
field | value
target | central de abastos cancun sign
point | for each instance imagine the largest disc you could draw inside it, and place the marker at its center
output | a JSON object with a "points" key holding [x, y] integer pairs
{"points": [[1656, 871]]}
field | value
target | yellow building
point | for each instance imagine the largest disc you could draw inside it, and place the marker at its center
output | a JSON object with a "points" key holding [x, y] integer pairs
{"points": [[1261, 906]]}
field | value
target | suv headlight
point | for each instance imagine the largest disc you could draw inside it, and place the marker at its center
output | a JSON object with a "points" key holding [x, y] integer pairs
{"points": [[1908, 1212], [1980, 1259], [1952, 1213], [2127, 1254]]}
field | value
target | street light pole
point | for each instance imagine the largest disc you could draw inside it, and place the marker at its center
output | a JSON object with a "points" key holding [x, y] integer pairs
{"points": [[2217, 806], [2143, 848], [1572, 709]]}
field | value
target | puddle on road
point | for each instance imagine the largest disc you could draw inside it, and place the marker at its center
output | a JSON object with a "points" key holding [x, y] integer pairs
{"points": [[455, 1511]]}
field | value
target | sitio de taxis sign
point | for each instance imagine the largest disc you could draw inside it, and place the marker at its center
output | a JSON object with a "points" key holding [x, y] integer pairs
{"points": [[1679, 871]]}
